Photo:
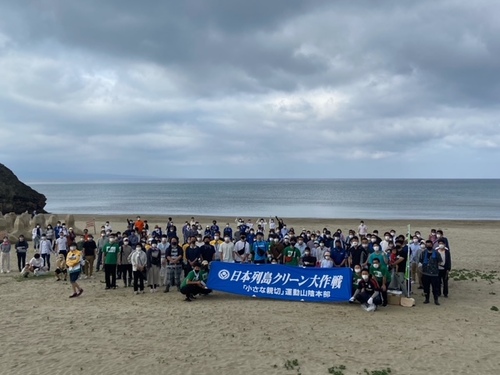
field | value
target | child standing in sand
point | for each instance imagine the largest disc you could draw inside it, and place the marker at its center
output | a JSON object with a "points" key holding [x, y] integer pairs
{"points": [[61, 268], [74, 263]]}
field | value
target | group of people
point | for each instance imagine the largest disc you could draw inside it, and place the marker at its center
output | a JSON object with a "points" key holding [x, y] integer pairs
{"points": [[155, 257]]}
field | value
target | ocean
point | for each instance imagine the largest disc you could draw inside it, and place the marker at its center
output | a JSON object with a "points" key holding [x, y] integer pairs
{"points": [[342, 198]]}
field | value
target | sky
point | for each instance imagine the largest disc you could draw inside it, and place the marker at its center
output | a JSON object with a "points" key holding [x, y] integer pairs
{"points": [[249, 89]]}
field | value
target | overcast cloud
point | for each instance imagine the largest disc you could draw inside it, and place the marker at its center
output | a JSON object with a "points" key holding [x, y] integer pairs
{"points": [[230, 88]]}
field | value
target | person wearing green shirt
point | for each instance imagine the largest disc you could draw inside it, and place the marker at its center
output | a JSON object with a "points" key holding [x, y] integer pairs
{"points": [[377, 254], [194, 283], [291, 255], [110, 252], [380, 272]]}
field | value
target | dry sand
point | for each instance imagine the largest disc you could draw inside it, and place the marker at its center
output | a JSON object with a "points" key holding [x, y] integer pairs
{"points": [[116, 332]]}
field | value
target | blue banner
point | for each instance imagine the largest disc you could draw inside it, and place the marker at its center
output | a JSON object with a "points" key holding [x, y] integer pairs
{"points": [[282, 282]]}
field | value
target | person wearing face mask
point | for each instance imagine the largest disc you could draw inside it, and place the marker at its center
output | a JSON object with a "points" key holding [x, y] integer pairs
{"points": [[327, 240], [62, 245], [291, 255], [154, 264], [89, 253], [139, 261], [380, 272], [101, 242], [414, 255], [228, 231], [444, 267], [373, 242], [429, 262], [377, 254], [326, 262], [433, 237], [5, 248], [163, 245], [276, 249], [308, 260], [362, 229], [46, 250], [110, 253], [339, 255], [241, 252], [260, 249], [174, 257], [74, 262], [358, 254], [301, 245], [191, 255], [216, 242], [397, 264], [368, 292], [124, 264], [36, 235], [199, 240], [193, 283], [207, 251], [21, 251], [440, 237], [226, 250], [214, 228], [321, 250], [349, 238], [387, 240], [356, 278]]}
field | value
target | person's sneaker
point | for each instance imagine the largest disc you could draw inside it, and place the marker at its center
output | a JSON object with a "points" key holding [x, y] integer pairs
{"points": [[192, 296], [136, 292], [142, 292], [1, 271], [85, 277], [58, 279], [107, 288], [364, 306], [187, 299], [371, 307], [167, 289], [152, 291], [73, 295], [8, 271], [80, 292]]}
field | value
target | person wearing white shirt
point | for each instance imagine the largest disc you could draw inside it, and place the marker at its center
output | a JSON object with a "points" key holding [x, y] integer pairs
{"points": [[241, 250], [362, 229], [46, 250], [36, 266], [226, 250]]}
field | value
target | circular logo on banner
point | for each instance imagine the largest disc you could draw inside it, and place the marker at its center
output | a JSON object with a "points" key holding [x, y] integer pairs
{"points": [[224, 274]]}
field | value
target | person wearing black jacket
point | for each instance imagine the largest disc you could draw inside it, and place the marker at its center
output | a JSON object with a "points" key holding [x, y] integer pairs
{"points": [[444, 268], [21, 250], [207, 251], [308, 260]]}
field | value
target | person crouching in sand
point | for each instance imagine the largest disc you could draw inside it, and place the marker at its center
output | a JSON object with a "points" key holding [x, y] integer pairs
{"points": [[74, 263], [193, 283], [61, 268], [36, 265]]}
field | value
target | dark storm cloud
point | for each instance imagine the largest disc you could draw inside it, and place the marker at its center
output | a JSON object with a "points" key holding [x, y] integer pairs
{"points": [[194, 84]]}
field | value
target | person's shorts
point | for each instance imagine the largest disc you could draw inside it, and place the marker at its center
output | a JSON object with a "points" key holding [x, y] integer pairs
{"points": [[73, 276]]}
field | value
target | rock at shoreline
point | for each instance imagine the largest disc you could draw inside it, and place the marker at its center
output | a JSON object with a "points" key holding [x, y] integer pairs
{"points": [[16, 196]]}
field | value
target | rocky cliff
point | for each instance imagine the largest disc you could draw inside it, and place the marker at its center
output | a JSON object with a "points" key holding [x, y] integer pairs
{"points": [[16, 196]]}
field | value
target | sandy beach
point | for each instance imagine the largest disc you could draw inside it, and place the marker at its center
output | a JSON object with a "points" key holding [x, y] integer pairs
{"points": [[116, 332]]}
